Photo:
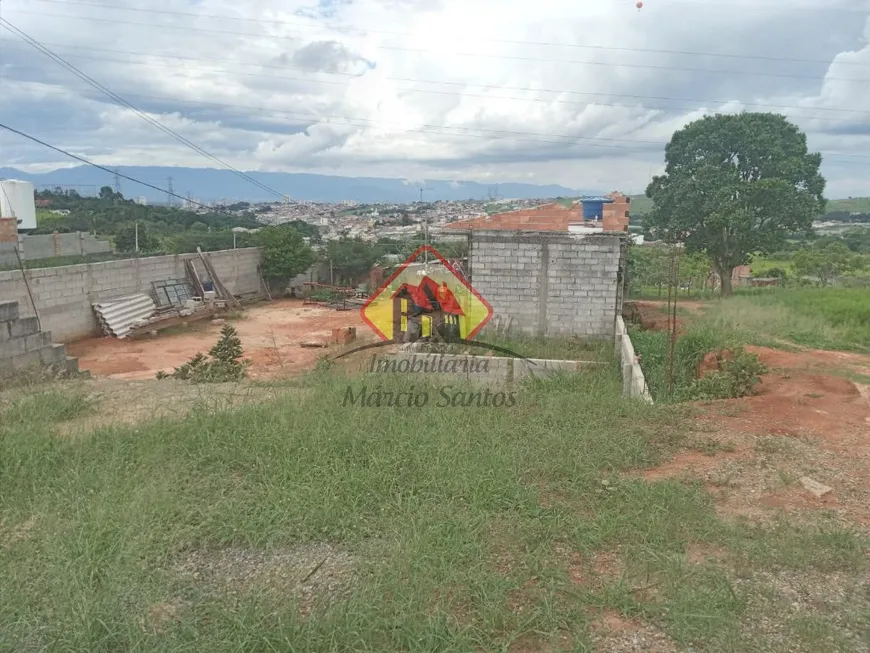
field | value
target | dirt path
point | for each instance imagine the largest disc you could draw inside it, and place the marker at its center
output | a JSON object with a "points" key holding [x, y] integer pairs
{"points": [[653, 314], [270, 335]]}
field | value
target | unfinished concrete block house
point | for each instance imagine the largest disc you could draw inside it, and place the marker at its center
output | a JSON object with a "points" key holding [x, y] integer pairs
{"points": [[556, 269]]}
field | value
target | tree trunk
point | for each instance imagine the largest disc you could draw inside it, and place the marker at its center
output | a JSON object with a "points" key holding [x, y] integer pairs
{"points": [[725, 289]]}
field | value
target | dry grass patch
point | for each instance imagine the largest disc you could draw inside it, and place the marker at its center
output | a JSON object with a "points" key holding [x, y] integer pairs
{"points": [[310, 574]]}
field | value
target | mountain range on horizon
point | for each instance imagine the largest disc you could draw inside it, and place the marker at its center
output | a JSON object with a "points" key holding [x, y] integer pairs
{"points": [[209, 184]]}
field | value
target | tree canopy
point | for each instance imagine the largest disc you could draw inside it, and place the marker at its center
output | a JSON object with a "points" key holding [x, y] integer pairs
{"points": [[162, 229], [285, 252], [352, 258], [826, 263], [735, 185]]}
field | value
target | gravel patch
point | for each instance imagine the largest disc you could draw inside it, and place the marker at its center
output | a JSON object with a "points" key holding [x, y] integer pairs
{"points": [[309, 574]]}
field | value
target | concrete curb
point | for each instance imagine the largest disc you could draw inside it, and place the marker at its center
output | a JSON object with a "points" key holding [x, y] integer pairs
{"points": [[633, 381]]}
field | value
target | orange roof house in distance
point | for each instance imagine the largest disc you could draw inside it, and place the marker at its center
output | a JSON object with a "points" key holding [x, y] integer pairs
{"points": [[609, 213]]}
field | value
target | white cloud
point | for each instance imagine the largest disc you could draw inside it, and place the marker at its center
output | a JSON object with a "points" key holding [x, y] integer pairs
{"points": [[515, 109]]}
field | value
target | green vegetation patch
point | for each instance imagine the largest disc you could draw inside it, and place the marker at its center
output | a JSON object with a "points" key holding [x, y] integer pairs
{"points": [[556, 348], [308, 524], [822, 318]]}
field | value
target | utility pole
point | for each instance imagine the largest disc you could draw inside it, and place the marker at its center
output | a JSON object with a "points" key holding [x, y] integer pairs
{"points": [[426, 239], [137, 236], [425, 230], [169, 192]]}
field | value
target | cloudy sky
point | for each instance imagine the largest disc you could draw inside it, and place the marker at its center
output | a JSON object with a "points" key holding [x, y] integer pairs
{"points": [[582, 93]]}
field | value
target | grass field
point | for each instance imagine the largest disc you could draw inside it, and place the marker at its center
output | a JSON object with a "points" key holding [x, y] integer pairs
{"points": [[820, 318], [641, 204], [564, 348], [306, 525], [854, 205], [761, 265], [823, 318]]}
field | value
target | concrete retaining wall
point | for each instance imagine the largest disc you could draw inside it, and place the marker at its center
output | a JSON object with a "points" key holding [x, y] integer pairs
{"points": [[633, 382], [64, 295], [488, 370], [550, 283]]}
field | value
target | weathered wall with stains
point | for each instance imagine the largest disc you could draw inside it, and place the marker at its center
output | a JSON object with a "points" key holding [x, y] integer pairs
{"points": [[551, 283], [64, 295]]}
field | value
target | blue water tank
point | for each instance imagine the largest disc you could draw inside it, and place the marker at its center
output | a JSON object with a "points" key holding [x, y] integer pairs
{"points": [[593, 207]]}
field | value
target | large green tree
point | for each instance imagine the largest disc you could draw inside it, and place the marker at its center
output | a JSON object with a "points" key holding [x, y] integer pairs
{"points": [[127, 239], [735, 185], [285, 252], [351, 258]]}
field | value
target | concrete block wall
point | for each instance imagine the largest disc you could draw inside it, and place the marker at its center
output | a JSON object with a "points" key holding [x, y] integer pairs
{"points": [[8, 240], [24, 346], [550, 283], [64, 295], [50, 245]]}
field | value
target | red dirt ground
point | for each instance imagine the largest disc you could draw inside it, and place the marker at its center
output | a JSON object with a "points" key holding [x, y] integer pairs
{"points": [[653, 315], [797, 398], [270, 336], [808, 418]]}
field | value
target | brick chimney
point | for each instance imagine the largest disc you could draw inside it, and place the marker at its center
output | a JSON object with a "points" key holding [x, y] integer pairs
{"points": [[615, 216]]}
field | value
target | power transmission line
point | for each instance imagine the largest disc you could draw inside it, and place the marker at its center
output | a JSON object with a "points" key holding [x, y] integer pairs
{"points": [[461, 54], [349, 120], [426, 81], [478, 95], [168, 192], [117, 98], [366, 30], [569, 139], [328, 119]]}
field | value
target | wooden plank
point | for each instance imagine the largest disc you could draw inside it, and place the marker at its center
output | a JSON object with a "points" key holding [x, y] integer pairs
{"points": [[193, 275], [171, 322], [263, 281], [218, 284]]}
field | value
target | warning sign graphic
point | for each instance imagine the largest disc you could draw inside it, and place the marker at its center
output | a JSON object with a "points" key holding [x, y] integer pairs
{"points": [[426, 297]]}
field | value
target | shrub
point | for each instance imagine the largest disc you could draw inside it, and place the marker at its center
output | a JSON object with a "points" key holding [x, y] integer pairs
{"points": [[224, 364], [777, 273], [738, 374]]}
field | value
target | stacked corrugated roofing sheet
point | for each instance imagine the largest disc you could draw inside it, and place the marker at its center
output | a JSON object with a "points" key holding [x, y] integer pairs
{"points": [[118, 316]]}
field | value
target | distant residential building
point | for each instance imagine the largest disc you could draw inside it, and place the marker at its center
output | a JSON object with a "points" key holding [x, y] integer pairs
{"points": [[588, 215]]}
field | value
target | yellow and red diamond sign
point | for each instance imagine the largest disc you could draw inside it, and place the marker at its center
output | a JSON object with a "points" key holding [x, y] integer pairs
{"points": [[388, 309]]}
